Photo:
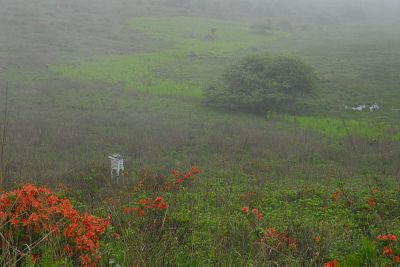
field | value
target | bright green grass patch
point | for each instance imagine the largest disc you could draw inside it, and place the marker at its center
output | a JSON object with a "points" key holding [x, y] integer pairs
{"points": [[340, 128], [173, 88], [191, 34], [183, 43]]}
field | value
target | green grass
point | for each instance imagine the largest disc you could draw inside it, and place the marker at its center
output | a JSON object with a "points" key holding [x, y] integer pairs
{"points": [[190, 34], [326, 126], [181, 46]]}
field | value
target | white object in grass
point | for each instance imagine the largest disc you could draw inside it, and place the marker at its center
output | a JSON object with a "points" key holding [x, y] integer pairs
{"points": [[373, 107], [359, 108], [117, 164]]}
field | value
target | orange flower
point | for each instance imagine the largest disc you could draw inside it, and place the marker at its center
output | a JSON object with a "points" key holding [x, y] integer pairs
{"points": [[333, 263], [158, 199], [271, 232], [382, 237], [188, 175], [127, 210], [245, 209], [336, 195], [35, 258], [255, 211], [85, 260], [163, 206], [371, 202], [37, 210], [143, 201], [140, 212], [259, 216], [195, 170], [3, 216], [396, 259], [68, 250], [387, 251], [388, 237], [317, 240], [391, 237], [14, 221], [180, 178]]}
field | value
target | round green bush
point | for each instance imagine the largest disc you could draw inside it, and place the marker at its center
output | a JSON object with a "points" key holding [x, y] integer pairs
{"points": [[263, 83]]}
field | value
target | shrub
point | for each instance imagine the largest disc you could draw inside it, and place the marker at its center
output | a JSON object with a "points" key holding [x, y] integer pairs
{"points": [[32, 217], [262, 83], [146, 220]]}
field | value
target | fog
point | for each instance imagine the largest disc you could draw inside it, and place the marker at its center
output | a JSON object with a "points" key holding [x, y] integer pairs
{"points": [[36, 31], [204, 132]]}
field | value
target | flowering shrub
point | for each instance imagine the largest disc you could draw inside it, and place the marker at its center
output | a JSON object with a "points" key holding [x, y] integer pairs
{"points": [[147, 204], [145, 226], [372, 253], [31, 214], [336, 195], [180, 178], [248, 198], [277, 240], [333, 263], [369, 211], [257, 214], [371, 202], [164, 182], [245, 209], [274, 240], [388, 237], [389, 241]]}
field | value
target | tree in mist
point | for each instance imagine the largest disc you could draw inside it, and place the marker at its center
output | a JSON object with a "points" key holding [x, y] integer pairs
{"points": [[263, 83]]}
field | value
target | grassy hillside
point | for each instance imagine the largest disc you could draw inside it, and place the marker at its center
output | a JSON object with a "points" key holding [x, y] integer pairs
{"points": [[185, 55], [88, 80]]}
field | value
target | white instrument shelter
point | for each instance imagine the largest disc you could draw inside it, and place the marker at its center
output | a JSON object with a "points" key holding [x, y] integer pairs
{"points": [[117, 164]]}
